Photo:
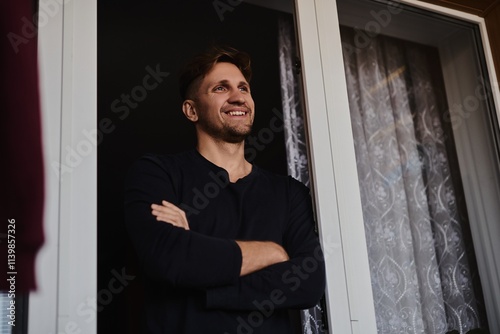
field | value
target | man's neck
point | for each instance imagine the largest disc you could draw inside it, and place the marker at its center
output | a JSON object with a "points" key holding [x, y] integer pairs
{"points": [[230, 156]]}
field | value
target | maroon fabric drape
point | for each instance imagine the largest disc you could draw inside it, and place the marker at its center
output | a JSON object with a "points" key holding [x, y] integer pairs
{"points": [[21, 166]]}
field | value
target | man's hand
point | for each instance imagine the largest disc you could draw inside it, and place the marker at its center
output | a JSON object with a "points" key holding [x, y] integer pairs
{"points": [[169, 213], [260, 254]]}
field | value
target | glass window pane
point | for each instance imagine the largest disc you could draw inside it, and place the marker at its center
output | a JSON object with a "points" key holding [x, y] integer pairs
{"points": [[425, 141]]}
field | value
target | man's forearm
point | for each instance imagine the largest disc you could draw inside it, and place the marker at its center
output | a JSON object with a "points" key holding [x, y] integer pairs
{"points": [[257, 255], [298, 283]]}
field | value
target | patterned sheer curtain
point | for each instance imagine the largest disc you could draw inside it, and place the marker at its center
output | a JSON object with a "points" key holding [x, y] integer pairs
{"points": [[296, 147], [422, 265]]}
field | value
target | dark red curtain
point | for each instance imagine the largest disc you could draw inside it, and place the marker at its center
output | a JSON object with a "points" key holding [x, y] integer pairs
{"points": [[21, 164]]}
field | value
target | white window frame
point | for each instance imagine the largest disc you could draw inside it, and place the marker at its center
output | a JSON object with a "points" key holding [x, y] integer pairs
{"points": [[335, 181], [67, 265], [334, 174]]}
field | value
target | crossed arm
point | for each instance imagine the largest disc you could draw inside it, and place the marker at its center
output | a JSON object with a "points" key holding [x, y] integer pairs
{"points": [[256, 255], [250, 271]]}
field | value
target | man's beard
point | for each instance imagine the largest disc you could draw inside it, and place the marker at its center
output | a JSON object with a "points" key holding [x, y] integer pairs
{"points": [[225, 133]]}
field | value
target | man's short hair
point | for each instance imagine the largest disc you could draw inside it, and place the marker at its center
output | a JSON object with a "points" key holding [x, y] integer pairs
{"points": [[200, 65]]}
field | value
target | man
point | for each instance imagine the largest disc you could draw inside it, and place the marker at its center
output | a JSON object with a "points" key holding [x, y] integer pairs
{"points": [[226, 247]]}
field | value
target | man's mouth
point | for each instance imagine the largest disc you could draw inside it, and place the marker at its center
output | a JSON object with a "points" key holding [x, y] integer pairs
{"points": [[236, 112]]}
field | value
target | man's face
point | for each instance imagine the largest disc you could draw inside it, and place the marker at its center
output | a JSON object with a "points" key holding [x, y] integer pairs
{"points": [[224, 104]]}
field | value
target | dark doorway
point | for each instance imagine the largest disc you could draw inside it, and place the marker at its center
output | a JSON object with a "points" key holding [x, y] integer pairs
{"points": [[141, 46]]}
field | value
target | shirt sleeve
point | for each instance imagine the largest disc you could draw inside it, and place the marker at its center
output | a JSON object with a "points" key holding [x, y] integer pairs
{"points": [[297, 283], [168, 253]]}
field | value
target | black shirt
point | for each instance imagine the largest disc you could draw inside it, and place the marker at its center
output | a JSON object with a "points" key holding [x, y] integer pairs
{"points": [[192, 276]]}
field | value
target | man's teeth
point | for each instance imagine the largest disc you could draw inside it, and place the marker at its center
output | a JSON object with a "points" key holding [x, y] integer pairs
{"points": [[236, 113]]}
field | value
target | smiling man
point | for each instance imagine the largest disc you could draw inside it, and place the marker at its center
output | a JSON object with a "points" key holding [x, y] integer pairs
{"points": [[225, 246]]}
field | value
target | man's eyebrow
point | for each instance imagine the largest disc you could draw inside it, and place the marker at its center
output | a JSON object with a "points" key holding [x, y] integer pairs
{"points": [[225, 82]]}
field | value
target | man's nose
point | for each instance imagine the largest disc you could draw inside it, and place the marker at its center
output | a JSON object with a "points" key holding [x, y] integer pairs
{"points": [[237, 97]]}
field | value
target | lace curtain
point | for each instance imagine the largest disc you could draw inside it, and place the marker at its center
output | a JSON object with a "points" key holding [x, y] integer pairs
{"points": [[423, 270]]}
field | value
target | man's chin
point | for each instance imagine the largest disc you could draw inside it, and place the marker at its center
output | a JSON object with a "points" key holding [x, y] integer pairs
{"points": [[229, 135], [236, 137]]}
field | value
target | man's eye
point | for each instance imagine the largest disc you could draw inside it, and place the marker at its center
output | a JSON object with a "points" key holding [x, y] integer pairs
{"points": [[219, 88], [244, 89]]}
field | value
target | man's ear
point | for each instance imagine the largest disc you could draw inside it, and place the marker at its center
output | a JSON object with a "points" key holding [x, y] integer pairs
{"points": [[189, 110]]}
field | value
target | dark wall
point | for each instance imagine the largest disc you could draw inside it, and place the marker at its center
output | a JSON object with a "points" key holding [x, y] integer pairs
{"points": [[135, 117]]}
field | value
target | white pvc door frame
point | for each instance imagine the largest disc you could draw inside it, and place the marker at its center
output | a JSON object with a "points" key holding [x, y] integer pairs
{"points": [[66, 267]]}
